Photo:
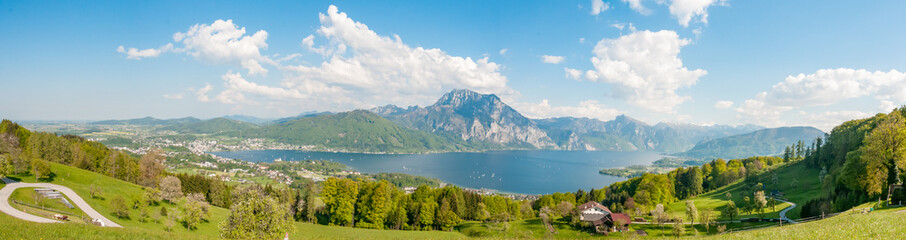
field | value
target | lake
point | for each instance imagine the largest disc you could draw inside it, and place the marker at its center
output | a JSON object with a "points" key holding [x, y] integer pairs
{"points": [[528, 172]]}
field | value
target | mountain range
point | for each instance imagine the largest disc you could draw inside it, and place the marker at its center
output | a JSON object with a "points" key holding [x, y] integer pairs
{"points": [[463, 120]]}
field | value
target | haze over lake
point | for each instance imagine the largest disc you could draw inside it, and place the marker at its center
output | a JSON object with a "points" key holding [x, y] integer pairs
{"points": [[529, 172]]}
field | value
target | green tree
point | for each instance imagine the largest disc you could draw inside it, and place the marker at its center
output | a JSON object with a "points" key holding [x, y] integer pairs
{"points": [[885, 147], [339, 196], [691, 212], [374, 203], [257, 217], [194, 211], [730, 210], [40, 168], [760, 203], [119, 207]]}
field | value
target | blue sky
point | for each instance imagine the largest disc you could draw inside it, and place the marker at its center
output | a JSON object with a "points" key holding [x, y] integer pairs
{"points": [[776, 63]]}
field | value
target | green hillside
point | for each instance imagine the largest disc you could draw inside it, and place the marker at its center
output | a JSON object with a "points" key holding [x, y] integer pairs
{"points": [[353, 131], [884, 224], [80, 181], [217, 125], [765, 142]]}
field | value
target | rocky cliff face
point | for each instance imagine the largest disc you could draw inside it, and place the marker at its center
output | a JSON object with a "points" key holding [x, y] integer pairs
{"points": [[472, 116]]}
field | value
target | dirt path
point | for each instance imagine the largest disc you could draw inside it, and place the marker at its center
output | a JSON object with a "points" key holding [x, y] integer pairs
{"points": [[783, 212], [78, 201]]}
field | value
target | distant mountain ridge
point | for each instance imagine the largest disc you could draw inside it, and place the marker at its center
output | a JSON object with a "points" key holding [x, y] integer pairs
{"points": [[216, 125], [357, 130], [472, 117], [764, 142], [460, 120], [148, 121]]}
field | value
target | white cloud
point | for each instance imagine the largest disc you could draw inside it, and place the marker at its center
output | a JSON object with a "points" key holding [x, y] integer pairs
{"points": [[826, 121], [234, 81], [552, 59], [686, 11], [362, 69], [587, 108], [598, 6], [723, 104], [637, 6], [378, 69], [503, 51], [581, 40], [220, 42], [618, 26], [254, 67], [644, 68], [134, 53], [573, 73], [202, 94], [823, 88]]}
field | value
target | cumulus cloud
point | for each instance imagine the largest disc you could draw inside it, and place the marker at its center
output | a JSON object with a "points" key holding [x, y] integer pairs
{"points": [[638, 7], [573, 73], [552, 59], [503, 51], [598, 6], [686, 11], [826, 87], [587, 108], [382, 69], [644, 68], [723, 104], [362, 68], [220, 42]]}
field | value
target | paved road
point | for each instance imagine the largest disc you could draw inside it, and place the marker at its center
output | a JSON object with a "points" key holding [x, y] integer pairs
{"points": [[783, 212], [78, 201]]}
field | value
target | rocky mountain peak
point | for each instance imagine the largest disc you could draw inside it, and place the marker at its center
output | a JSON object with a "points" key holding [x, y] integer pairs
{"points": [[464, 97]]}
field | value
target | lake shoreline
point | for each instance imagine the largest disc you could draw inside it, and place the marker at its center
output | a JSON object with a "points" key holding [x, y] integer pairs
{"points": [[527, 172]]}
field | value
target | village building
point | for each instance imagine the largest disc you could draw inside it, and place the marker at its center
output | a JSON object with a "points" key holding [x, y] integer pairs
{"points": [[602, 219]]}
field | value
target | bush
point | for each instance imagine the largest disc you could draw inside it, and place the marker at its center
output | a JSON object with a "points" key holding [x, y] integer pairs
{"points": [[119, 207]]}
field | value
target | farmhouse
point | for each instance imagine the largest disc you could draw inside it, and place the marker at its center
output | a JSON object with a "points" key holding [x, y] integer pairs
{"points": [[602, 219]]}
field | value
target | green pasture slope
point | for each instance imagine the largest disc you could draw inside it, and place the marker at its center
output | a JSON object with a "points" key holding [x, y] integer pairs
{"points": [[883, 224], [80, 180], [808, 187]]}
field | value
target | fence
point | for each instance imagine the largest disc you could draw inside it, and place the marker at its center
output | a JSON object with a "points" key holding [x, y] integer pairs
{"points": [[798, 221], [50, 209]]}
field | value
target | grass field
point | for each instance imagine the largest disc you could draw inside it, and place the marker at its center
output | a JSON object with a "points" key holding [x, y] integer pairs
{"points": [[80, 180], [14, 228], [883, 224], [26, 195], [808, 188]]}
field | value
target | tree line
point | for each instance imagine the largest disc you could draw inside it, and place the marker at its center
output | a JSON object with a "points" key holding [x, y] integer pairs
{"points": [[859, 161]]}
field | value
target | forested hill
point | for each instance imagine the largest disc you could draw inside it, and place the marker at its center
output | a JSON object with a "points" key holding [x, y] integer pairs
{"points": [[217, 125], [353, 131], [765, 142]]}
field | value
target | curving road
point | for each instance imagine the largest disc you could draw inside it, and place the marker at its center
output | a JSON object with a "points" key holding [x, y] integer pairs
{"points": [[783, 212], [78, 201]]}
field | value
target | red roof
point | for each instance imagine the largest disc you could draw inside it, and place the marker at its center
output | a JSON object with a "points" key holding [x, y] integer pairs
{"points": [[620, 217], [592, 204]]}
